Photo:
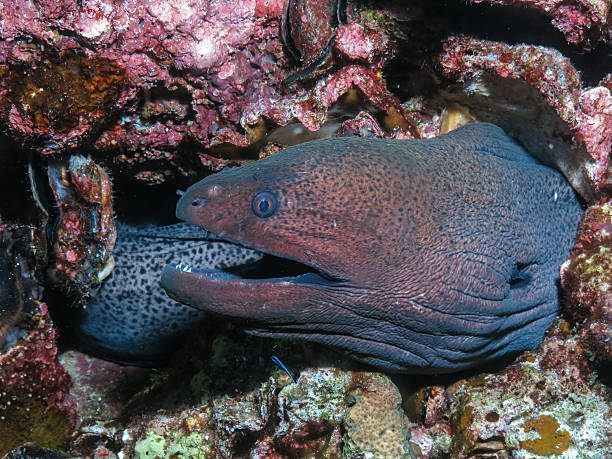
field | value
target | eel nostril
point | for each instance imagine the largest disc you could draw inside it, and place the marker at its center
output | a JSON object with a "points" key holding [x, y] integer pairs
{"points": [[196, 202]]}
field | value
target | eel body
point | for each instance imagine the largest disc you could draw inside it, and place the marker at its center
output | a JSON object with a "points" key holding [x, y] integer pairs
{"points": [[418, 256], [131, 320]]}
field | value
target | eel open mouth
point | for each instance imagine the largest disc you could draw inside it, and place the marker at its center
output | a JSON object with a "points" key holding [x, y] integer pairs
{"points": [[269, 268], [264, 289]]}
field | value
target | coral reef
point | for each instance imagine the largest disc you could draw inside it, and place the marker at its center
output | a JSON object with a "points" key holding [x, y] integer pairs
{"points": [[207, 72], [100, 390], [547, 403], [257, 411], [586, 279], [171, 88], [61, 97], [35, 404], [375, 424], [536, 95], [584, 22], [84, 234]]}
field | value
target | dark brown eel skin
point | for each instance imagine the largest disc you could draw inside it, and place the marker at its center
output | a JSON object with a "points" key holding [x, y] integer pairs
{"points": [[421, 256]]}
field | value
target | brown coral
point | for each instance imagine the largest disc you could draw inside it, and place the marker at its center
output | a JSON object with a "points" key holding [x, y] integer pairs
{"points": [[375, 423]]}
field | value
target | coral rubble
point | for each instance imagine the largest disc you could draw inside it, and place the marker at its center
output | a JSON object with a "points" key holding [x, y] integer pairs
{"points": [[547, 403]]}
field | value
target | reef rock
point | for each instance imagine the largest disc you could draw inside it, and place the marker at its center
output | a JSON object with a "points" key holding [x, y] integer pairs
{"points": [[584, 22], [536, 95], [587, 280], [548, 403]]}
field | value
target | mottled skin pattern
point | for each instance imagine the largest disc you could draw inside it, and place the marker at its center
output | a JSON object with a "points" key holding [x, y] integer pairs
{"points": [[131, 319], [442, 253]]}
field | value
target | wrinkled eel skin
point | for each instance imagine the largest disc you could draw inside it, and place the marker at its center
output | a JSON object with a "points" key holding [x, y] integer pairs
{"points": [[425, 255], [131, 320]]}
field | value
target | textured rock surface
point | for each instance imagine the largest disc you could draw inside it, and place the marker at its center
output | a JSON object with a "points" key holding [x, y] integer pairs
{"points": [[536, 95], [143, 80], [35, 404], [547, 403], [584, 22], [587, 280], [375, 424]]}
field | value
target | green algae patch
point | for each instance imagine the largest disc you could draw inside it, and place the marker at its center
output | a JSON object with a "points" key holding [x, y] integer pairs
{"points": [[25, 419], [175, 445], [153, 445], [551, 440]]}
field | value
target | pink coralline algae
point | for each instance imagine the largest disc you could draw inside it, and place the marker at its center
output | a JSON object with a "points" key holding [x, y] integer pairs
{"points": [[37, 352], [101, 390], [310, 107], [142, 81], [308, 28], [535, 94], [587, 279], [584, 22], [369, 40], [363, 125], [218, 55], [34, 402]]}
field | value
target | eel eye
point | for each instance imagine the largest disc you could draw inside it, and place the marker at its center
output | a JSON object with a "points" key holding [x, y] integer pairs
{"points": [[264, 204]]}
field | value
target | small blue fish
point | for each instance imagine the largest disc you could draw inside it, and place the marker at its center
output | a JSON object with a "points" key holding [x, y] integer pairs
{"points": [[277, 361]]}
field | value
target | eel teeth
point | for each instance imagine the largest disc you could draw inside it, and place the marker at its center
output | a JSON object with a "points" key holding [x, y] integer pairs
{"points": [[183, 267], [106, 269]]}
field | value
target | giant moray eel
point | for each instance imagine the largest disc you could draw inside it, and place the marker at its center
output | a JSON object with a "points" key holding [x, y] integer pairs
{"points": [[131, 320], [418, 255]]}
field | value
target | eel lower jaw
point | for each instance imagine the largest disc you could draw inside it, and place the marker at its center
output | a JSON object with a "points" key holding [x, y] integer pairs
{"points": [[257, 281], [231, 294]]}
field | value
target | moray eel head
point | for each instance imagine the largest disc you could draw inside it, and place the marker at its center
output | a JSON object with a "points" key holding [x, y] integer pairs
{"points": [[421, 256], [286, 209]]}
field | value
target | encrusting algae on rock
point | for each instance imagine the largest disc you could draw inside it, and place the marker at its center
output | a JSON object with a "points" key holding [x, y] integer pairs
{"points": [[551, 441], [65, 95]]}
